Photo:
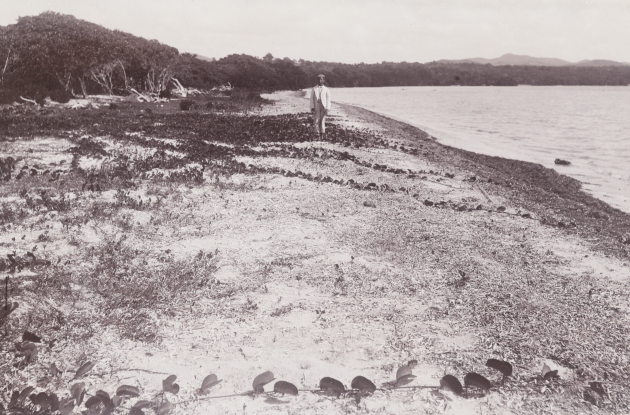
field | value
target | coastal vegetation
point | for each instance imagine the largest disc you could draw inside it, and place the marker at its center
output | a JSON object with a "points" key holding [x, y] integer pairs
{"points": [[60, 56]]}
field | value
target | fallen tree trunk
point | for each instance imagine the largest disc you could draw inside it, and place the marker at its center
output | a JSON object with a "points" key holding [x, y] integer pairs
{"points": [[28, 100], [180, 89], [149, 97], [140, 97]]}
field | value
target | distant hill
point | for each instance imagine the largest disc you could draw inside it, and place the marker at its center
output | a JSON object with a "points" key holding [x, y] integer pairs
{"points": [[524, 60], [601, 62]]}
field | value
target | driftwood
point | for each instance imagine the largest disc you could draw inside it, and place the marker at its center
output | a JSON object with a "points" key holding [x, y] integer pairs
{"points": [[180, 89], [227, 87], [28, 100], [140, 97], [484, 193], [149, 97], [183, 92]]}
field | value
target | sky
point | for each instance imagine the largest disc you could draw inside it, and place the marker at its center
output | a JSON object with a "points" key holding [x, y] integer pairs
{"points": [[369, 31]]}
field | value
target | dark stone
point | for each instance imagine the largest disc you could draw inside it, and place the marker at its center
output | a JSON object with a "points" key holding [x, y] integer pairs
{"points": [[562, 162], [368, 203], [428, 203]]}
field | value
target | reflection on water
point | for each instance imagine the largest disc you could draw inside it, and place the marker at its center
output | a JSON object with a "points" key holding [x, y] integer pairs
{"points": [[590, 126]]}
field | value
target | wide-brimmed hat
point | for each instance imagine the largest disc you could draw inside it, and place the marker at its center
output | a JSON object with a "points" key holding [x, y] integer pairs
{"points": [[321, 76]]}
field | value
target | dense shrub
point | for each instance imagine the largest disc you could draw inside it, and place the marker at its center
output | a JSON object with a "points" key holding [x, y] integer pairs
{"points": [[9, 95], [252, 96], [186, 104], [60, 96]]}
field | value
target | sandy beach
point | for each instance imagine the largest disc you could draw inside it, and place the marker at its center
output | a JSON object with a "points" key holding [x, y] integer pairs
{"points": [[310, 259]]}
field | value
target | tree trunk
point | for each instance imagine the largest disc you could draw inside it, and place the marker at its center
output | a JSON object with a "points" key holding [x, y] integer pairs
{"points": [[6, 63], [103, 76], [124, 74], [83, 89], [65, 82]]}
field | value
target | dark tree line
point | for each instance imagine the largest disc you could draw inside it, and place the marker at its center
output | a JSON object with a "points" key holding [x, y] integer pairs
{"points": [[250, 72], [60, 56]]}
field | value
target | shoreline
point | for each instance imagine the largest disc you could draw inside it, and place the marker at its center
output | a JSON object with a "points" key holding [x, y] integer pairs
{"points": [[536, 187], [605, 183], [310, 259]]}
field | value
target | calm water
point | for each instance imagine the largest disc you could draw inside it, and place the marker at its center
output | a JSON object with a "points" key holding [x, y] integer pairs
{"points": [[589, 126]]}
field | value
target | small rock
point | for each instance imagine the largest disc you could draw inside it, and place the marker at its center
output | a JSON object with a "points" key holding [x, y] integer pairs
{"points": [[428, 203], [501, 209], [562, 162], [368, 203]]}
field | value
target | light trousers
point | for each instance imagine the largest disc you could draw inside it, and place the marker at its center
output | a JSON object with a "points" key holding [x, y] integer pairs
{"points": [[319, 118]]}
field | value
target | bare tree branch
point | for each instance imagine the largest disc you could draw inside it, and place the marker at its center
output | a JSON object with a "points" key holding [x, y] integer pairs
{"points": [[6, 63]]}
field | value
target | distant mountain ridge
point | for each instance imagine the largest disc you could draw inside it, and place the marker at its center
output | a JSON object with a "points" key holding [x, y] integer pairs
{"points": [[524, 60]]}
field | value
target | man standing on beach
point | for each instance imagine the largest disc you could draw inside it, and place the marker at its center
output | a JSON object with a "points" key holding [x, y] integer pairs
{"points": [[320, 105]]}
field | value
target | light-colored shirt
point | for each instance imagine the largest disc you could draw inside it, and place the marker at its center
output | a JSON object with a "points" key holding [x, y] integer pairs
{"points": [[321, 94]]}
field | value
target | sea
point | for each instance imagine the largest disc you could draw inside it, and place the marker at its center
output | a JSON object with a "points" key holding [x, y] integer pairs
{"points": [[589, 126]]}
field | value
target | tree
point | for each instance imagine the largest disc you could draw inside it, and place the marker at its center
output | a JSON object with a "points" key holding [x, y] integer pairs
{"points": [[59, 46]]}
